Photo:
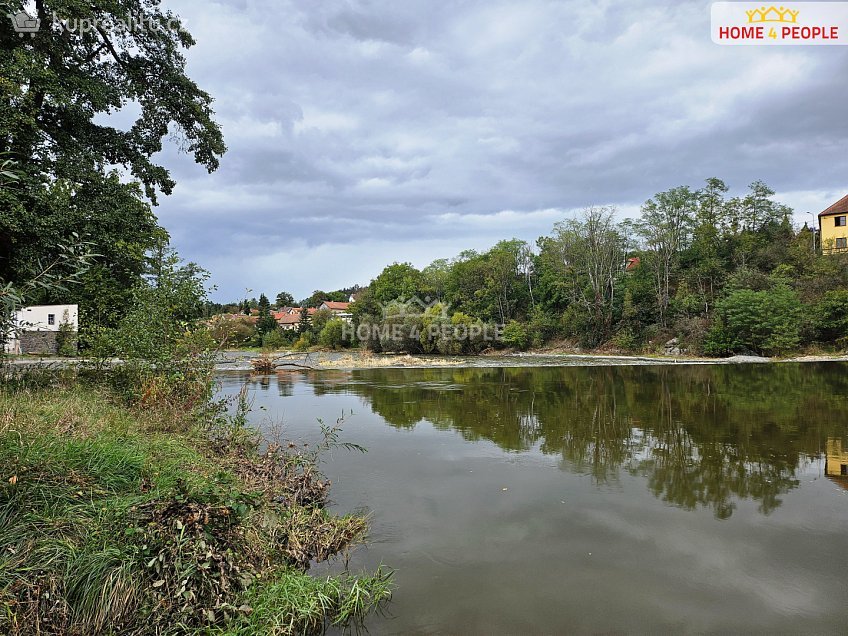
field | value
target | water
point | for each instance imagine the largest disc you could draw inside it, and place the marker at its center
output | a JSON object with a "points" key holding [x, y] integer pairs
{"points": [[589, 500]]}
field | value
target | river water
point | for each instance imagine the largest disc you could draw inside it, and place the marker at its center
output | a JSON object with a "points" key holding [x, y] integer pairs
{"points": [[588, 499]]}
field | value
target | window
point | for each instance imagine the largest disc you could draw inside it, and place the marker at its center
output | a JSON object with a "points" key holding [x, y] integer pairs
{"points": [[51, 319], [840, 221], [841, 243]]}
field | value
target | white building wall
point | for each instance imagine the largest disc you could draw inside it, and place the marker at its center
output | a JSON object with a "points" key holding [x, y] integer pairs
{"points": [[41, 318]]}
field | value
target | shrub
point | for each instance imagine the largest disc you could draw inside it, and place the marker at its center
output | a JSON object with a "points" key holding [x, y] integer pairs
{"points": [[765, 322], [542, 326], [66, 340], [276, 339], [332, 335], [515, 336], [305, 341], [831, 316]]}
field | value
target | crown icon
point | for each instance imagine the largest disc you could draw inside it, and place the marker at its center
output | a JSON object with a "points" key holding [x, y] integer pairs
{"points": [[772, 14]]}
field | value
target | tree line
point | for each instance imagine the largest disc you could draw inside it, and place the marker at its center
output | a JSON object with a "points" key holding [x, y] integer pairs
{"points": [[716, 274]]}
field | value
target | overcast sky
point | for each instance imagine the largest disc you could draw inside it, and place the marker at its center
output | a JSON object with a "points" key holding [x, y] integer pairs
{"points": [[362, 133]]}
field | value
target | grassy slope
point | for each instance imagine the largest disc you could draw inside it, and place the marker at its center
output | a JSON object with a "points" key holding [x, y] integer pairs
{"points": [[112, 522]]}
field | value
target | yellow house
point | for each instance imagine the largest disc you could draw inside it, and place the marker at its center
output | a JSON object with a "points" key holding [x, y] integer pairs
{"points": [[833, 228]]}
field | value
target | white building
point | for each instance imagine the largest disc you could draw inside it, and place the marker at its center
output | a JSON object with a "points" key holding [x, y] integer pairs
{"points": [[34, 328]]}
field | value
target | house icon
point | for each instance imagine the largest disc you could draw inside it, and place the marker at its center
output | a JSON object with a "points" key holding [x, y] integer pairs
{"points": [[22, 22]]}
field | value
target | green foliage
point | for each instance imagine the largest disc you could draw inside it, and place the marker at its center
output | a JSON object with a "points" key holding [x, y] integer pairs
{"points": [[232, 331], [588, 253], [332, 335], [162, 310], [266, 323], [116, 522], [285, 299], [66, 340], [515, 335], [319, 319], [765, 322], [831, 317], [277, 339], [598, 279], [73, 163], [295, 603], [304, 341], [397, 281]]}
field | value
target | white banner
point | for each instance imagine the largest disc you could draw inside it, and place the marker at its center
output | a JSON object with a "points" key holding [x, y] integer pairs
{"points": [[784, 24]]}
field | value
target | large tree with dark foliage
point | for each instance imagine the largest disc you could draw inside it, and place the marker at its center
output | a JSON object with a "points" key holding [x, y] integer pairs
{"points": [[81, 174]]}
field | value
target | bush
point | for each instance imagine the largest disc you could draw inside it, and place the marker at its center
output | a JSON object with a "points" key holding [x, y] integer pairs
{"points": [[305, 341], [542, 326], [332, 335], [765, 322], [626, 339], [515, 336], [831, 316], [276, 339], [66, 340]]}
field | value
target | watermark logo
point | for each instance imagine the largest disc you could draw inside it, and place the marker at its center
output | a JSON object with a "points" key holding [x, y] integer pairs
{"points": [[421, 320], [23, 23], [128, 24], [804, 23], [414, 306]]}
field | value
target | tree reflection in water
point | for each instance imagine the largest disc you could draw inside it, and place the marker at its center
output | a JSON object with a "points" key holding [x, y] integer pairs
{"points": [[701, 436]]}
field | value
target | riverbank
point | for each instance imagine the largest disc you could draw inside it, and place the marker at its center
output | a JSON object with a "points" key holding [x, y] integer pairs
{"points": [[142, 518], [240, 360], [352, 360]]}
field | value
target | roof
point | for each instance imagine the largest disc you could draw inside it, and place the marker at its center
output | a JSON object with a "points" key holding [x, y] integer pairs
{"points": [[840, 207], [287, 319], [332, 305], [292, 316], [632, 263]]}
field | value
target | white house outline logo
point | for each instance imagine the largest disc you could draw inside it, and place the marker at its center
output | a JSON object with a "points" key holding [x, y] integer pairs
{"points": [[23, 22]]}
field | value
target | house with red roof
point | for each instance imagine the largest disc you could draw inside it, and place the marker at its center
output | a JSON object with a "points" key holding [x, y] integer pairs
{"points": [[338, 309]]}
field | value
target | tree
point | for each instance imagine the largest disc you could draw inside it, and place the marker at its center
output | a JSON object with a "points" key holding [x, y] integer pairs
{"points": [[589, 254], [666, 225], [285, 299], [766, 322], [266, 322], [398, 280], [54, 277], [332, 334], [163, 309], [706, 262], [57, 91], [435, 277], [304, 325]]}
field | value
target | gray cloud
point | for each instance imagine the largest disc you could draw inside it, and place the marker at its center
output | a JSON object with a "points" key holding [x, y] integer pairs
{"points": [[366, 132]]}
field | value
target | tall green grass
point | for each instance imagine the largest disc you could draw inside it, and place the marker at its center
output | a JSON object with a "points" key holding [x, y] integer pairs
{"points": [[112, 523]]}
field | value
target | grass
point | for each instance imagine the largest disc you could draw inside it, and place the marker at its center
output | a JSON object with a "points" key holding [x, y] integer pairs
{"points": [[114, 519], [295, 602]]}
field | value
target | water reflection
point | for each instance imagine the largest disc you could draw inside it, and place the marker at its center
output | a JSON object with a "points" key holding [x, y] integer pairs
{"points": [[699, 436], [836, 462]]}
